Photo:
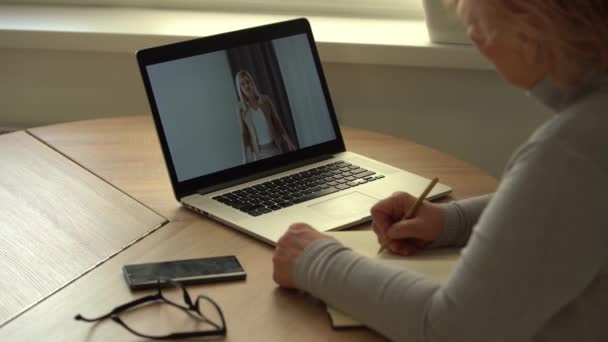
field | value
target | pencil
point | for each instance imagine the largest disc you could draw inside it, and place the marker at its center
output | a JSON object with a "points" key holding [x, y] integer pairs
{"points": [[412, 210]]}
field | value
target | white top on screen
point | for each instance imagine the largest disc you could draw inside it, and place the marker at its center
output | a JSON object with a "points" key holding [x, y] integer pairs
{"points": [[261, 126]]}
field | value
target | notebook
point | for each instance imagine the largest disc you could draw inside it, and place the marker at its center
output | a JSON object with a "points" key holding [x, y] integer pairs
{"points": [[250, 136], [434, 264]]}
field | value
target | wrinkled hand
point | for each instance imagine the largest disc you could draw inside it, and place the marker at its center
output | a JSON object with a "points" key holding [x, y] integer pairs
{"points": [[408, 236], [289, 248]]}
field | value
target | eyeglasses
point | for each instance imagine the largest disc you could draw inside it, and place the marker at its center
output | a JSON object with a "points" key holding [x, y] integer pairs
{"points": [[197, 309]]}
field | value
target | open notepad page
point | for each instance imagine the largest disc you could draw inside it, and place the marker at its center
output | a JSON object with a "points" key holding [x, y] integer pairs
{"points": [[434, 264]]}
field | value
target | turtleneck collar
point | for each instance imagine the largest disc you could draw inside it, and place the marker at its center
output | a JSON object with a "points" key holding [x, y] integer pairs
{"points": [[557, 98]]}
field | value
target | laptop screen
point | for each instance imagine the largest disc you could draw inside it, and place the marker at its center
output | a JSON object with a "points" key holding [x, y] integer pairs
{"points": [[227, 108]]}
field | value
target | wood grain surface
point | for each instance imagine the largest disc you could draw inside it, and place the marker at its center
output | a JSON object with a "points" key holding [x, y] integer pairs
{"points": [[255, 309], [125, 152], [57, 220]]}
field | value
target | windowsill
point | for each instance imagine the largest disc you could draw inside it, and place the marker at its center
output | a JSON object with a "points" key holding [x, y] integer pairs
{"points": [[340, 40]]}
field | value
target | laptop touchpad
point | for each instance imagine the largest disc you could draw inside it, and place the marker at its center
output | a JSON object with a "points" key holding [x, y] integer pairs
{"points": [[350, 205]]}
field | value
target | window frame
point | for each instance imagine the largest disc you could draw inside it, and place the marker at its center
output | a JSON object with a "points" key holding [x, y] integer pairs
{"points": [[404, 9]]}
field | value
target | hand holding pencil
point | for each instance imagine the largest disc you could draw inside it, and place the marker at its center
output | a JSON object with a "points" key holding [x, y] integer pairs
{"points": [[405, 223]]}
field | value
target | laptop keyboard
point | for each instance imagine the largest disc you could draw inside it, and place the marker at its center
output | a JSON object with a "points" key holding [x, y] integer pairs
{"points": [[297, 188]]}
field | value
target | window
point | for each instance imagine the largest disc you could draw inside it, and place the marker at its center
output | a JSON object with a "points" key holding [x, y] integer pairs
{"points": [[411, 9]]}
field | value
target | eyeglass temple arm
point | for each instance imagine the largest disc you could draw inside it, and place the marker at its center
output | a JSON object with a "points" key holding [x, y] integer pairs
{"points": [[120, 308]]}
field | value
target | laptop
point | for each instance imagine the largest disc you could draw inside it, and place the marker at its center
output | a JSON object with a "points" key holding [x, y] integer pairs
{"points": [[250, 136]]}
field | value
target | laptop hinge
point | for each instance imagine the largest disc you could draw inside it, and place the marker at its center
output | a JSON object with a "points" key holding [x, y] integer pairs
{"points": [[263, 174]]}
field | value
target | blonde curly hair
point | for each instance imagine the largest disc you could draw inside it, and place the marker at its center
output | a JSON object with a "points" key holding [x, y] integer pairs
{"points": [[570, 36]]}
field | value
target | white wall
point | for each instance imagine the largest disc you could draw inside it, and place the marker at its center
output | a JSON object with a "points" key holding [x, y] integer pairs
{"points": [[38, 87], [472, 115]]}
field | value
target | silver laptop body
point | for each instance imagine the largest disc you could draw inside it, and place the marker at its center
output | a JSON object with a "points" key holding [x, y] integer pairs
{"points": [[250, 136]]}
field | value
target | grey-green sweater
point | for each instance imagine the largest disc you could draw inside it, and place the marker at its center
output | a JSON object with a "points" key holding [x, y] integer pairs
{"points": [[535, 264]]}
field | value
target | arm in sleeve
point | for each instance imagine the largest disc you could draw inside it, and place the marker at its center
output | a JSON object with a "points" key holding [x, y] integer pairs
{"points": [[460, 218], [538, 244]]}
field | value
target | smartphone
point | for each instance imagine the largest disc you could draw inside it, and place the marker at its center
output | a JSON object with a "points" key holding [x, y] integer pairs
{"points": [[191, 271]]}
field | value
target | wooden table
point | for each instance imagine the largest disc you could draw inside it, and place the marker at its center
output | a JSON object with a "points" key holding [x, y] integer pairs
{"points": [[125, 153], [57, 221]]}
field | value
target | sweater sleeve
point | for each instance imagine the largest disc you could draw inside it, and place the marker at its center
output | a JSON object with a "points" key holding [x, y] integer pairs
{"points": [[460, 217], [531, 252]]}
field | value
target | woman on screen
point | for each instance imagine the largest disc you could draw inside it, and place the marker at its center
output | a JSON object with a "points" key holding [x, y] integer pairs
{"points": [[262, 132]]}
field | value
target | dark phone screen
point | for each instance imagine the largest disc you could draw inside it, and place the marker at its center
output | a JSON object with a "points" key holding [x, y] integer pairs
{"points": [[183, 268]]}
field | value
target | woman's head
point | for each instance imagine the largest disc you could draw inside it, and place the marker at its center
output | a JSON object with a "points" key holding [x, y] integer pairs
{"points": [[245, 86], [529, 40]]}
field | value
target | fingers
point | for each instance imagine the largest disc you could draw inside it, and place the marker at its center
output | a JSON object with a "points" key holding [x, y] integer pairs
{"points": [[300, 227], [289, 248], [390, 210], [409, 229], [408, 236], [293, 237], [394, 206], [403, 247], [380, 233]]}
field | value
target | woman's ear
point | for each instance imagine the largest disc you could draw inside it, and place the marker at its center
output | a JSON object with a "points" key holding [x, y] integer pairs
{"points": [[479, 40]]}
